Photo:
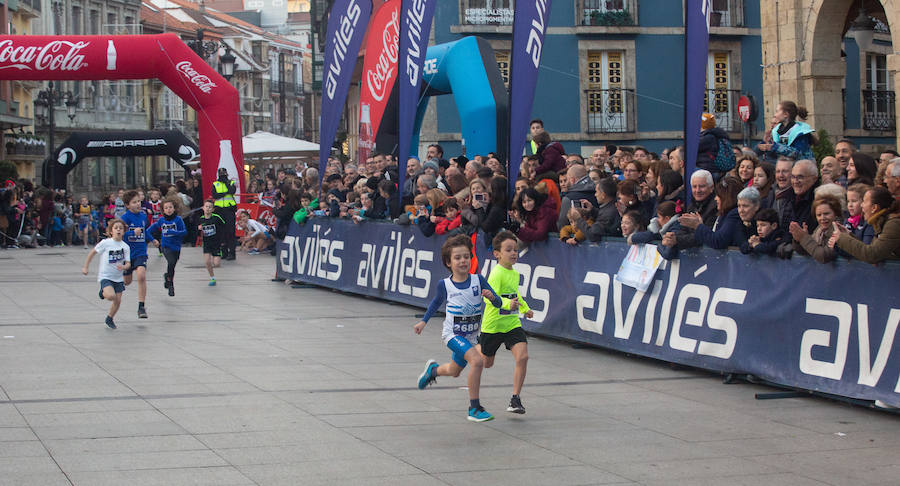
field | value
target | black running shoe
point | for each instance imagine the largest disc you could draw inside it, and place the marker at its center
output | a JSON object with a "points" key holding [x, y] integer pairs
{"points": [[110, 323], [142, 313], [171, 290], [515, 405]]}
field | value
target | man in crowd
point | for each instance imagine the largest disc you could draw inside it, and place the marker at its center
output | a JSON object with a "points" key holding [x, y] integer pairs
{"points": [[676, 160], [535, 126], [783, 169], [796, 203], [436, 152], [581, 188], [887, 156], [598, 159], [413, 170], [472, 168], [843, 151], [892, 177]]}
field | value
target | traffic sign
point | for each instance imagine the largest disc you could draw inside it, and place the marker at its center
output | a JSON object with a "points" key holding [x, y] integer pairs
{"points": [[744, 108]]}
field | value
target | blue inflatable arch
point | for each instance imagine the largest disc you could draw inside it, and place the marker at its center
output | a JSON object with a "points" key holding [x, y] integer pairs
{"points": [[466, 69]]}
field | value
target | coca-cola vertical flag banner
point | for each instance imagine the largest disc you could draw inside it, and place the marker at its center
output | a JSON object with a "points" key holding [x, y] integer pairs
{"points": [[415, 27], [164, 57], [696, 55], [379, 71], [529, 28], [347, 23]]}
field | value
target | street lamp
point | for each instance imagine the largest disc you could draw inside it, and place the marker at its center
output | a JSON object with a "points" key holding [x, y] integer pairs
{"points": [[44, 108], [863, 29], [226, 62]]}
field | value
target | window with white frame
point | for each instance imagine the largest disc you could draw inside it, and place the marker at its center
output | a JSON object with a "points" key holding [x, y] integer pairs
{"points": [[878, 94], [606, 94], [720, 99]]}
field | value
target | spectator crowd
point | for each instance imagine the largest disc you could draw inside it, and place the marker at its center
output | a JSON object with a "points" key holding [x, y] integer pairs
{"points": [[771, 199]]}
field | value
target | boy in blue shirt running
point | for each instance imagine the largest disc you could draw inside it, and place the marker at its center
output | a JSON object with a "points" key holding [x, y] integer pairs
{"points": [[136, 236], [172, 230], [464, 293]]}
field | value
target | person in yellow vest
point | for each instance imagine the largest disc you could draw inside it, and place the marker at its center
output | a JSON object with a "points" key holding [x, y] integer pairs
{"points": [[535, 126], [223, 190]]}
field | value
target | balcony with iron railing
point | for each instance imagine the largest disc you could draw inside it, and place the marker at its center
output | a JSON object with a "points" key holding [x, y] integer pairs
{"points": [[606, 13], [276, 86], [722, 103], [727, 13], [879, 110], [610, 110]]}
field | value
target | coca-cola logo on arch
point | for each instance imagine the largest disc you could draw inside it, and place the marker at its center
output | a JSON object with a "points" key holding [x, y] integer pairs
{"points": [[198, 79], [381, 79], [59, 55]]}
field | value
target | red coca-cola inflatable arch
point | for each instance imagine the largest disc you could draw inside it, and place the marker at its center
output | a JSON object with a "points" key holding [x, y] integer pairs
{"points": [[165, 57]]}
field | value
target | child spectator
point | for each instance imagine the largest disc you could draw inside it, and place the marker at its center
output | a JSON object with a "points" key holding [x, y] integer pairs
{"points": [[666, 220], [763, 181], [632, 222], [856, 222], [115, 258], [463, 293], [171, 230], [211, 227], [768, 235], [502, 326], [452, 218], [422, 216], [571, 233], [256, 235], [827, 210], [56, 229]]}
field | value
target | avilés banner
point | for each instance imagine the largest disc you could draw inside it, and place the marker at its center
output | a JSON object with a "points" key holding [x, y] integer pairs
{"points": [[794, 322], [415, 27], [347, 23], [696, 55], [529, 27], [379, 70]]}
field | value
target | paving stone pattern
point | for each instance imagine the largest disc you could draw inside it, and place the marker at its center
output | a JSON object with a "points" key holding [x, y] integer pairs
{"points": [[254, 382]]}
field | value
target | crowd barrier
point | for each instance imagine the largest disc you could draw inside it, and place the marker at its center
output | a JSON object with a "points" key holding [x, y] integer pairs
{"points": [[826, 328]]}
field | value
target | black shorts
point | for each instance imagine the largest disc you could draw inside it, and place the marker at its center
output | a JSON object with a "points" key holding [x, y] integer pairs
{"points": [[140, 261], [213, 248], [490, 342]]}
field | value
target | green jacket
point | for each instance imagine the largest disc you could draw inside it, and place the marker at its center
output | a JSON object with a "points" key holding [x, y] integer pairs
{"points": [[302, 214]]}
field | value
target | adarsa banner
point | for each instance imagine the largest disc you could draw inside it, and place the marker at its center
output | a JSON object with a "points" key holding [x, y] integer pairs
{"points": [[792, 322]]}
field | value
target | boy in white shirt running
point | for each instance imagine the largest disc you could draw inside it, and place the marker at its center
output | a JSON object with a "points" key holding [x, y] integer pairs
{"points": [[115, 258]]}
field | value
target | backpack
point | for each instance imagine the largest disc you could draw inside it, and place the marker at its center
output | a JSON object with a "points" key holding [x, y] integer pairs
{"points": [[724, 160]]}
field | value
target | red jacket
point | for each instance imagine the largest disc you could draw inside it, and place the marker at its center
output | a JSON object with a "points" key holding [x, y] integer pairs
{"points": [[446, 225], [539, 223], [553, 158]]}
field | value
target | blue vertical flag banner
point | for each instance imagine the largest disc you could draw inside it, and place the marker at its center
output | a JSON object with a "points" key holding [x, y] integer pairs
{"points": [[347, 23], [415, 26], [529, 27], [696, 54]]}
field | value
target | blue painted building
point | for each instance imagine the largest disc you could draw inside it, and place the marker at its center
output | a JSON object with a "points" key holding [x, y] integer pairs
{"points": [[612, 71], [869, 99]]}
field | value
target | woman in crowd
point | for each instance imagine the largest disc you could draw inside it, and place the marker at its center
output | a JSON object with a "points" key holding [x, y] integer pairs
{"points": [[881, 211], [487, 211], [728, 230], [633, 171], [745, 169], [522, 184], [654, 169], [861, 169], [790, 137], [536, 215], [763, 181], [827, 210], [670, 187]]}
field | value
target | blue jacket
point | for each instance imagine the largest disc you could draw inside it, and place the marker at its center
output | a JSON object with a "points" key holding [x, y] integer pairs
{"points": [[766, 246], [172, 230], [796, 143], [730, 231], [655, 233], [137, 244]]}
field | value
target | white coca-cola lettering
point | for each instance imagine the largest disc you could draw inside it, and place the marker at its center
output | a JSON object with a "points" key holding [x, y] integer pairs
{"points": [[379, 80], [54, 56], [199, 80]]}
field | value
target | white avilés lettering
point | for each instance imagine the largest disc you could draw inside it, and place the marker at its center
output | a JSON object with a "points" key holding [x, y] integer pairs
{"points": [[346, 27], [317, 259], [54, 56], [869, 372], [536, 34], [379, 80], [707, 312], [198, 79], [394, 268], [414, 31], [530, 287]]}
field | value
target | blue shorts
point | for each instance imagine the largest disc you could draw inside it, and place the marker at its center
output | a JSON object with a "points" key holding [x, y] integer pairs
{"points": [[140, 261], [459, 345], [118, 287]]}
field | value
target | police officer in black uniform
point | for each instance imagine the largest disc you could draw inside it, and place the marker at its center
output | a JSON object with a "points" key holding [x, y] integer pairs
{"points": [[223, 191]]}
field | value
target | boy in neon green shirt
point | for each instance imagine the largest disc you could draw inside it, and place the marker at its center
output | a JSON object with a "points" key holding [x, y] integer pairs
{"points": [[502, 326]]}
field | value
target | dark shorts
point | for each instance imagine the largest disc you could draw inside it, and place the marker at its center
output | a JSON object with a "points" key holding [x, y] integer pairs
{"points": [[140, 261], [213, 248], [118, 287], [490, 342]]}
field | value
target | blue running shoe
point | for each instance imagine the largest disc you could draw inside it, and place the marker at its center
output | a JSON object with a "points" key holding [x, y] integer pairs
{"points": [[212, 282], [428, 376], [479, 415]]}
